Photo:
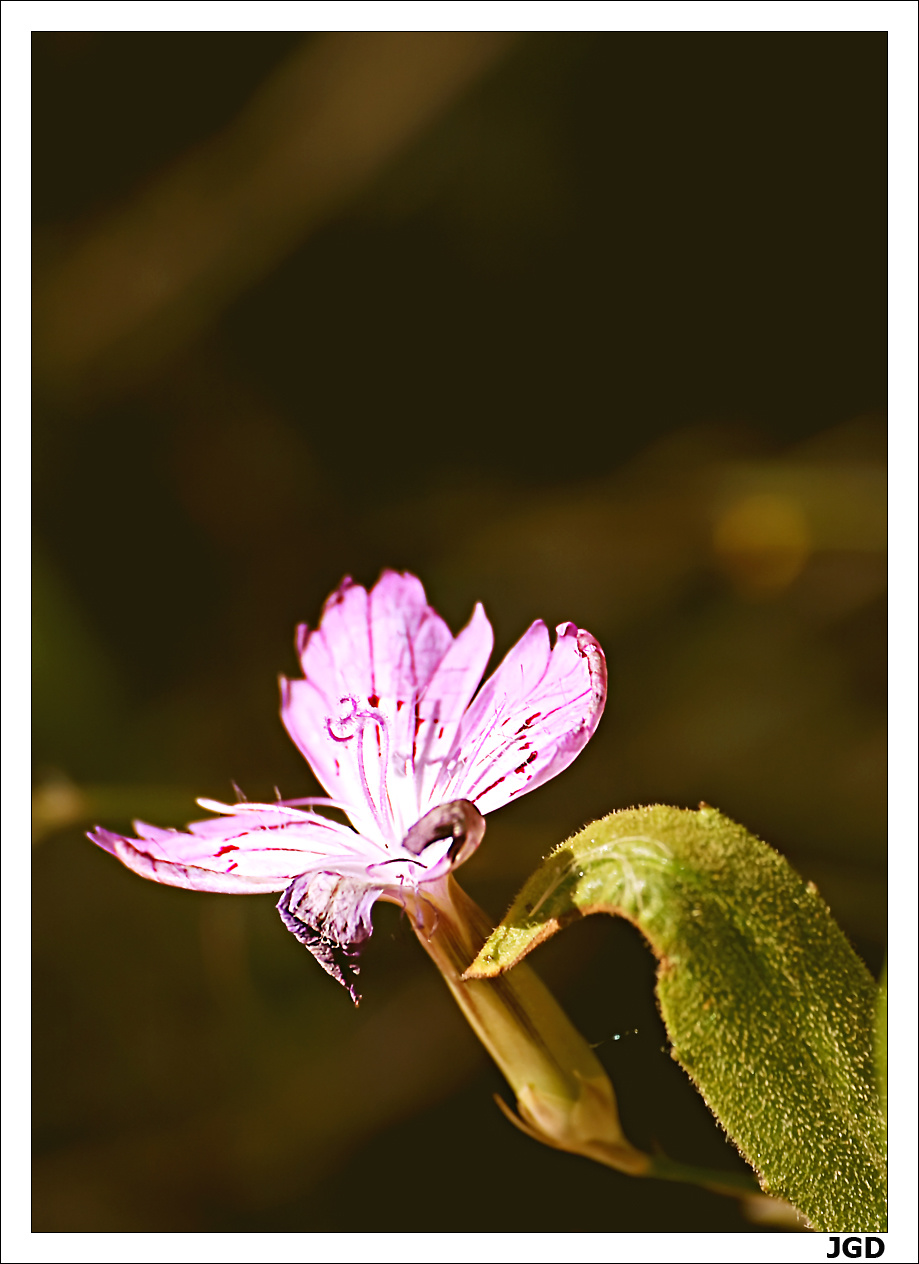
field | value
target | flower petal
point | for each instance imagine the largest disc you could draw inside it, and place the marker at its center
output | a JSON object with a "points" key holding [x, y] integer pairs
{"points": [[529, 720], [372, 659], [439, 710], [255, 847], [330, 915]]}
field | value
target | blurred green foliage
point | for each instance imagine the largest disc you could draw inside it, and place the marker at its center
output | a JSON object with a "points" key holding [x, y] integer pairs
{"points": [[603, 342]]}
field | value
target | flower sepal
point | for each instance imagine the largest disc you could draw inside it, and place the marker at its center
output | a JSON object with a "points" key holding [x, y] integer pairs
{"points": [[564, 1096], [587, 1125]]}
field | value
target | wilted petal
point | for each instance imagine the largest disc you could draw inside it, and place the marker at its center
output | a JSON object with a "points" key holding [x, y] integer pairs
{"points": [[330, 915], [255, 847], [459, 824], [529, 720]]}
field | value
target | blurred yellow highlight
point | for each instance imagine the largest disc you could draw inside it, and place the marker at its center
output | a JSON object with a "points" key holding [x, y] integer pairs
{"points": [[763, 541], [56, 804]]}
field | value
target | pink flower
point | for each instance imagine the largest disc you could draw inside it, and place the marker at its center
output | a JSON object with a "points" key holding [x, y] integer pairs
{"points": [[386, 717]]}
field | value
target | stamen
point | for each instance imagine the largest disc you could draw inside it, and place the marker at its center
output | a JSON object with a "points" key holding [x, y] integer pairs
{"points": [[385, 803]]}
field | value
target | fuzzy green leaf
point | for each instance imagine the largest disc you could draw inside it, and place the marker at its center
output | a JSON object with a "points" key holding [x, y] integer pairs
{"points": [[880, 1044], [769, 1010]]}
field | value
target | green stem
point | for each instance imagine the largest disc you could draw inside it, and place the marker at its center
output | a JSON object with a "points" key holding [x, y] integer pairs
{"points": [[737, 1184]]}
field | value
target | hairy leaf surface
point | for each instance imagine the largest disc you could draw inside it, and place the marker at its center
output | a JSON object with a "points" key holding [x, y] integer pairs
{"points": [[768, 1008]]}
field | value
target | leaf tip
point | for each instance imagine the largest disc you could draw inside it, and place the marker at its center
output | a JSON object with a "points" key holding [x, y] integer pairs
{"points": [[483, 967]]}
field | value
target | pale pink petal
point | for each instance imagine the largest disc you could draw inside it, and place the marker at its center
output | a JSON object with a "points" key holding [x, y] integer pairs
{"points": [[529, 720], [261, 849], [330, 875], [440, 708], [409, 638], [353, 716]]}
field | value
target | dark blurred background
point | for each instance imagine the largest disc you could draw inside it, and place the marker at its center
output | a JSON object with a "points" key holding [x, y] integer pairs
{"points": [[586, 326]]}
